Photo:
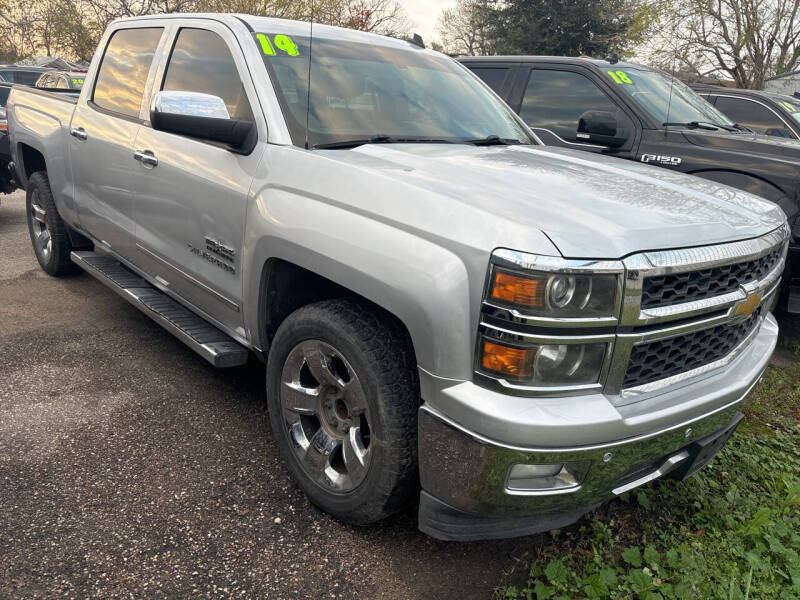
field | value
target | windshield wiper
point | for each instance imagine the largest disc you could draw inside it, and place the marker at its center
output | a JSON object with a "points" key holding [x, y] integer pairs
{"points": [[700, 125], [492, 140], [379, 139]]}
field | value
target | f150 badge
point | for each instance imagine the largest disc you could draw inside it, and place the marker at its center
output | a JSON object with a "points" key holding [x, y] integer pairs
{"points": [[660, 159]]}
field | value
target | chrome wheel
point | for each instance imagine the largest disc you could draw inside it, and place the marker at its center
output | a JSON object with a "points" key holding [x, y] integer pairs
{"points": [[40, 231], [326, 417]]}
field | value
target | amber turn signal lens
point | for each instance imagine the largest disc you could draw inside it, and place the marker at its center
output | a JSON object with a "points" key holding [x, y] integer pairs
{"points": [[513, 362], [518, 290]]}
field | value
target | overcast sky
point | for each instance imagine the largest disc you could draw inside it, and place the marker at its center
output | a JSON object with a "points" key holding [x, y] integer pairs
{"points": [[424, 15]]}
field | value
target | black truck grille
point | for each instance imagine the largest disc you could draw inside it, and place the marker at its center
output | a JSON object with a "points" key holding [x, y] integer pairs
{"points": [[663, 358], [666, 290]]}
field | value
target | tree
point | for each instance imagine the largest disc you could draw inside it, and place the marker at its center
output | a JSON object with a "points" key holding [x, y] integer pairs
{"points": [[744, 40], [563, 28], [465, 28]]}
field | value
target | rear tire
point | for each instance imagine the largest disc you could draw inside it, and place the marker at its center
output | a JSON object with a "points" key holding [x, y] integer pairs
{"points": [[48, 232], [342, 393]]}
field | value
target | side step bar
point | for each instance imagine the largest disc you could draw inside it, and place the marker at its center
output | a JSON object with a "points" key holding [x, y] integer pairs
{"points": [[209, 342]]}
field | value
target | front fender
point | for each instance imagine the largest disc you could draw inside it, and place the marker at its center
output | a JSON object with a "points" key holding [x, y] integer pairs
{"points": [[426, 286]]}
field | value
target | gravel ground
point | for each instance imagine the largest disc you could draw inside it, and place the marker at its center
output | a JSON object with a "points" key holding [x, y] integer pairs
{"points": [[129, 467]]}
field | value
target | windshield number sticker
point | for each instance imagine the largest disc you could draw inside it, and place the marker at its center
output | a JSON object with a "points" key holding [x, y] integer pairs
{"points": [[76, 81], [619, 77], [282, 42]]}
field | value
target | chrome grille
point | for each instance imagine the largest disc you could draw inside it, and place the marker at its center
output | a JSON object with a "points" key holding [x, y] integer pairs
{"points": [[664, 358], [667, 290]]}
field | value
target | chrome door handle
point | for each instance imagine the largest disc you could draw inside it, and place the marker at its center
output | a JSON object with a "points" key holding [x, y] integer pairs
{"points": [[146, 157], [79, 132]]}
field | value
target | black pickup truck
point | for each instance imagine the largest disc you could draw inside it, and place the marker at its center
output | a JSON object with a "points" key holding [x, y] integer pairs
{"points": [[633, 112], [768, 113]]}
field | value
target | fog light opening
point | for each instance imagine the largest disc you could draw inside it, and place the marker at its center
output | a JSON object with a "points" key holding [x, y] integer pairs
{"points": [[546, 478]]}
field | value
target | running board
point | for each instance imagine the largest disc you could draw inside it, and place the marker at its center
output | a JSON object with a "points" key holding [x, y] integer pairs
{"points": [[209, 342]]}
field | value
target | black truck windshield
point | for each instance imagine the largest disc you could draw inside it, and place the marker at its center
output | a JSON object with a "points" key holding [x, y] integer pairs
{"points": [[651, 91], [370, 93]]}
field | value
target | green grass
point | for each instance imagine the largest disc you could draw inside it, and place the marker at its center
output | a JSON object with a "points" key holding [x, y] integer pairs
{"points": [[730, 532]]}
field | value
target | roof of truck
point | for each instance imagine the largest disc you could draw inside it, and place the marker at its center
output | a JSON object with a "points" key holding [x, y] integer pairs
{"points": [[286, 26], [600, 63]]}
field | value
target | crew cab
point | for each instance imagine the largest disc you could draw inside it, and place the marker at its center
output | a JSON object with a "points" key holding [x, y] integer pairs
{"points": [[634, 112], [767, 113], [449, 311]]}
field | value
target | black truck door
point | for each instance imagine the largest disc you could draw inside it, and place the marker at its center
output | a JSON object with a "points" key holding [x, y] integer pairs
{"points": [[552, 98]]}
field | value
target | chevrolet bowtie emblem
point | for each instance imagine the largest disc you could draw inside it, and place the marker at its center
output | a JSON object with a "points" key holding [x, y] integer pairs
{"points": [[747, 307]]}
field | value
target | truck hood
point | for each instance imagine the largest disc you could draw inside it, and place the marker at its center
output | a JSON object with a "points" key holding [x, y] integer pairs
{"points": [[590, 206]]}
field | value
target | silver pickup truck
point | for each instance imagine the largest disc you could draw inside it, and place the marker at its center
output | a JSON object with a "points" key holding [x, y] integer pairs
{"points": [[448, 311]]}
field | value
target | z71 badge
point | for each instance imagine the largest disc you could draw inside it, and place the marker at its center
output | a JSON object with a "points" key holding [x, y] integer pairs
{"points": [[666, 161]]}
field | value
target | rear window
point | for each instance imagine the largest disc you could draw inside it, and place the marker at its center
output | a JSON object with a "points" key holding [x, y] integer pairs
{"points": [[4, 93], [23, 77], [123, 72]]}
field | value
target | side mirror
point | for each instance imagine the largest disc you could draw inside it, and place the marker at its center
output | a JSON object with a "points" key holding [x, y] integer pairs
{"points": [[201, 116], [599, 127]]}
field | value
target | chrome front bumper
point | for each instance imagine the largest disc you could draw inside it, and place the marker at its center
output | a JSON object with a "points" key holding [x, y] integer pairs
{"points": [[464, 468]]}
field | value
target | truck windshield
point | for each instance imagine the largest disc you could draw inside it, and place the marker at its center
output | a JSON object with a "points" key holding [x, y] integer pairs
{"points": [[651, 91], [789, 104], [363, 93]]}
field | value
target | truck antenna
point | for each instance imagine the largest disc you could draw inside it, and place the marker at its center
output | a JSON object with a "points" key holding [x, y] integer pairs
{"points": [[671, 84], [308, 91]]}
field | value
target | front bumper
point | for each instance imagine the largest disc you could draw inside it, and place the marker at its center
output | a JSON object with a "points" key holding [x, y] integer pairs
{"points": [[464, 472]]}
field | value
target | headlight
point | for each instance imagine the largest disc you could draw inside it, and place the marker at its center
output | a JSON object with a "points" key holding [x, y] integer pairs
{"points": [[543, 365], [563, 295], [548, 323]]}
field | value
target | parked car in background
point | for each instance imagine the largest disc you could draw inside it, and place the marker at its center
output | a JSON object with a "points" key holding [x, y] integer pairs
{"points": [[22, 75], [640, 114], [61, 80], [437, 296], [767, 113]]}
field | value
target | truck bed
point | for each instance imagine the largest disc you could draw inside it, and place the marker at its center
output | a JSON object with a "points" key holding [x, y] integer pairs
{"points": [[40, 119]]}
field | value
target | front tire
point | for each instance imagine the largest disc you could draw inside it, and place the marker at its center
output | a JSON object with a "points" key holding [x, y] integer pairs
{"points": [[342, 398], [48, 232]]}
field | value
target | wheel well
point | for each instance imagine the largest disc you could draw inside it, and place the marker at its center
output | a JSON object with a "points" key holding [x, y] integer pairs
{"points": [[285, 287], [32, 160]]}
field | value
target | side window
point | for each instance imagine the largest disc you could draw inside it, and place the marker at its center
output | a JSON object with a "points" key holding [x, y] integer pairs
{"points": [[201, 62], [62, 83], [43, 81], [555, 100], [494, 77], [752, 115], [124, 69]]}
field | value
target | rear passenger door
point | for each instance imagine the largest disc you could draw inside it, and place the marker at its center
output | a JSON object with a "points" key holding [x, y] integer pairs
{"points": [[499, 77], [102, 132], [191, 205], [553, 98]]}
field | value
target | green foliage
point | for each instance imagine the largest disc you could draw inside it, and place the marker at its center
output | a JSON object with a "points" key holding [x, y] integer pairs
{"points": [[731, 532], [593, 27]]}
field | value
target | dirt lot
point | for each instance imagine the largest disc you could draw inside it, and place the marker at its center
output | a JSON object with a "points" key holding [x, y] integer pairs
{"points": [[131, 468]]}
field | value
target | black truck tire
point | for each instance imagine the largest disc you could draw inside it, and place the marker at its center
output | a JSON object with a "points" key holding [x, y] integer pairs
{"points": [[48, 232], [350, 345]]}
